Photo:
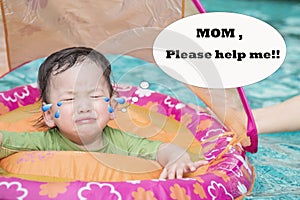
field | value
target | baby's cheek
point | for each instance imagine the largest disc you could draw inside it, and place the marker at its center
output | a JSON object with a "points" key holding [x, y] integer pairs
{"points": [[68, 108], [66, 113], [101, 107]]}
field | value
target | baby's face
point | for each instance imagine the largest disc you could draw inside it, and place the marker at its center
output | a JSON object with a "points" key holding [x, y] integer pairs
{"points": [[84, 112]]}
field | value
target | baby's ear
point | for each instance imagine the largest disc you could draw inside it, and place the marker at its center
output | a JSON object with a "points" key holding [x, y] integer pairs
{"points": [[48, 118], [113, 104]]}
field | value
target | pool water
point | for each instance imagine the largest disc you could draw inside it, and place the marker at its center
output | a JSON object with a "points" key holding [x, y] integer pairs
{"points": [[277, 162]]}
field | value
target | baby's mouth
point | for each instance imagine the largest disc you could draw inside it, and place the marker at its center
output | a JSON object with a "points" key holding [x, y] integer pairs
{"points": [[86, 120]]}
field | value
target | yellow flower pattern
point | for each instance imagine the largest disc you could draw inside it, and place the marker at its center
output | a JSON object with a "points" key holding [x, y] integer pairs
{"points": [[142, 194], [178, 193], [52, 189], [205, 124], [3, 109], [198, 189]]}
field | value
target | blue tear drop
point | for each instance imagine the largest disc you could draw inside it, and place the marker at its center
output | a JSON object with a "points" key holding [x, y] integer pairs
{"points": [[57, 114], [46, 107], [110, 109], [120, 100], [106, 99]]}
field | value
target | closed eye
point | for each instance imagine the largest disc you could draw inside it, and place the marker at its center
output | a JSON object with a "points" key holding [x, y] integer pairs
{"points": [[68, 100], [96, 96]]}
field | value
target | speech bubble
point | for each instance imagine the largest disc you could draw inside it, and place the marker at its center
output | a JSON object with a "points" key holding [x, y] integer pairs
{"points": [[219, 50]]}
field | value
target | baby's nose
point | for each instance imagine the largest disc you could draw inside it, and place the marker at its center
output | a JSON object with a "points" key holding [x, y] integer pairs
{"points": [[84, 106]]}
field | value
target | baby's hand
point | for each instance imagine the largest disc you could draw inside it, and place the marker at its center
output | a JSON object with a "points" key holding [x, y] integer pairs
{"points": [[178, 168]]}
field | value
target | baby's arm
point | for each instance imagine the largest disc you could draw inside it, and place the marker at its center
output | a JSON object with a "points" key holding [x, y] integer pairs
{"points": [[13, 142], [175, 161], [4, 152]]}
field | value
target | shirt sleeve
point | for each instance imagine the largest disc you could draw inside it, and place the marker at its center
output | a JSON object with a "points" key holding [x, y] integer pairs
{"points": [[134, 145], [142, 147], [14, 142]]}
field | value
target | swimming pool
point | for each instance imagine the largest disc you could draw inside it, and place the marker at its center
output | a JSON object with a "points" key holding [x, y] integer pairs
{"points": [[277, 162]]}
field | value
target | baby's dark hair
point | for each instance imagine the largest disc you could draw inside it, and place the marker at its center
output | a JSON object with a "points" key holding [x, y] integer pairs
{"points": [[63, 60]]}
